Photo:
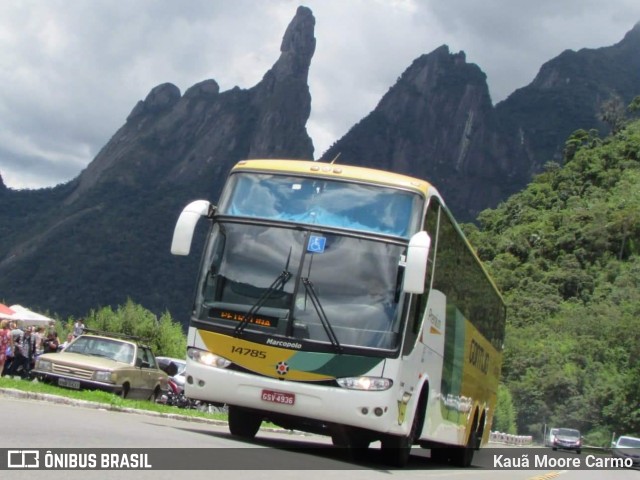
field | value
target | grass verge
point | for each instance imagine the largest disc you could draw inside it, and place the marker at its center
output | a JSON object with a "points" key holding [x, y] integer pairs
{"points": [[109, 399]]}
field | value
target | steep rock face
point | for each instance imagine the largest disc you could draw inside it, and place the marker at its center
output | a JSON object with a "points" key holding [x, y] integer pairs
{"points": [[287, 103], [566, 95], [436, 123], [105, 236], [179, 139]]}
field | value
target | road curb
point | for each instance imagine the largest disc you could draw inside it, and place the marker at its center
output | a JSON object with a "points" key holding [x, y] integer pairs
{"points": [[14, 393], [47, 397]]}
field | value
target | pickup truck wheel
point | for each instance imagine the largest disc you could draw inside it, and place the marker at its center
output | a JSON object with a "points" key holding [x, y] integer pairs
{"points": [[124, 393], [155, 395]]}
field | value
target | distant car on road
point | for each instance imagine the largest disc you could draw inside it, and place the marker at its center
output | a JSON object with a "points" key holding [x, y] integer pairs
{"points": [[627, 447], [548, 440], [120, 365], [567, 439]]}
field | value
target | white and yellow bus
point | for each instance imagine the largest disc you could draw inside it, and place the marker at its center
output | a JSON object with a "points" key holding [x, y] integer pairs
{"points": [[344, 301]]}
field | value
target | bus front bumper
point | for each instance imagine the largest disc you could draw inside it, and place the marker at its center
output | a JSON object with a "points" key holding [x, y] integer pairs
{"points": [[373, 410]]}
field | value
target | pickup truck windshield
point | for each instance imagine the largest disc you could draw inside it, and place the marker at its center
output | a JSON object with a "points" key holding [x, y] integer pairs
{"points": [[103, 347]]}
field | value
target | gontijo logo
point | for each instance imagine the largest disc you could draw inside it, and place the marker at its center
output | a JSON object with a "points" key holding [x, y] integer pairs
{"points": [[23, 459]]}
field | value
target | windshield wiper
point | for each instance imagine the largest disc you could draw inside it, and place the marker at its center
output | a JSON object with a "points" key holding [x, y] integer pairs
{"points": [[278, 283], [308, 286]]}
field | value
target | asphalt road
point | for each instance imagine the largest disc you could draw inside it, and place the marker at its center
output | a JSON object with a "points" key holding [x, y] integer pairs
{"points": [[36, 424]]}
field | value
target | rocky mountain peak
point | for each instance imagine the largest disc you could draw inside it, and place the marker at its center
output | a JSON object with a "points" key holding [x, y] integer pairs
{"points": [[160, 98], [283, 98], [179, 139], [298, 46], [434, 123]]}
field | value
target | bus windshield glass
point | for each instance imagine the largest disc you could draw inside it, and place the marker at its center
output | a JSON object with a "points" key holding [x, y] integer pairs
{"points": [[324, 202], [293, 274]]}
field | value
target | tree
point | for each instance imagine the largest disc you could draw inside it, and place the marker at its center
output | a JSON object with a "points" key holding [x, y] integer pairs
{"points": [[164, 336], [504, 420], [612, 113], [565, 253], [634, 106]]}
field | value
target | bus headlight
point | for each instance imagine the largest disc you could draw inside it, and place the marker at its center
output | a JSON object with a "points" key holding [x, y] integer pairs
{"points": [[375, 384], [207, 358]]}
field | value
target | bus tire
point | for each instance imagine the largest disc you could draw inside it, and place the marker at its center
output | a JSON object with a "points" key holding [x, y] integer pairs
{"points": [[243, 423], [396, 450], [463, 456]]}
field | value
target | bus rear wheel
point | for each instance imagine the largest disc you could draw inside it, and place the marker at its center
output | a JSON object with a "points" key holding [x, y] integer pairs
{"points": [[243, 423], [463, 456]]}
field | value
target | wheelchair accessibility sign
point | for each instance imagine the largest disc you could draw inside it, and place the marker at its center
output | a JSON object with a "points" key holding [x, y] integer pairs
{"points": [[316, 244]]}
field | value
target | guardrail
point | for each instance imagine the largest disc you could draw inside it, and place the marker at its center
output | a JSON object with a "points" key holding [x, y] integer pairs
{"points": [[509, 439]]}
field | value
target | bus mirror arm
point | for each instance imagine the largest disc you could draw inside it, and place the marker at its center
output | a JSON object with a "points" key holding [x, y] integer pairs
{"points": [[416, 265], [186, 225]]}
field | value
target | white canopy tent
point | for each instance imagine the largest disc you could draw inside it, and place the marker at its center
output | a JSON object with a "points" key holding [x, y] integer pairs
{"points": [[6, 312], [29, 318]]}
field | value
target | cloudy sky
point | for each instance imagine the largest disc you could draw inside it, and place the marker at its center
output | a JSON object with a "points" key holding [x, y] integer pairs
{"points": [[72, 70]]}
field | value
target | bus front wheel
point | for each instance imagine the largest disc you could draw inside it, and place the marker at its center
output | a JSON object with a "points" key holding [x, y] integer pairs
{"points": [[243, 423], [396, 450]]}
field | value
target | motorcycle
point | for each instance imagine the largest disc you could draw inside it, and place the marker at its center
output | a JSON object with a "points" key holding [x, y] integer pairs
{"points": [[174, 396]]}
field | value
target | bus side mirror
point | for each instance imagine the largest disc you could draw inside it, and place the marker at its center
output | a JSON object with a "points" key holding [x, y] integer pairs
{"points": [[186, 225], [416, 266]]}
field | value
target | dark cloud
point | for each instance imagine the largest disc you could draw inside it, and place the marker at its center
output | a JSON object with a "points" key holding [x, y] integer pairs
{"points": [[70, 72]]}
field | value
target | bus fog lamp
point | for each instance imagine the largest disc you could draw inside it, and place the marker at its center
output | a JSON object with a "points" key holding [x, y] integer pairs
{"points": [[375, 384], [207, 358], [378, 411]]}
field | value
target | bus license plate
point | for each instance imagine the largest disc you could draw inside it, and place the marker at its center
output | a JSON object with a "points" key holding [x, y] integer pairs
{"points": [[63, 382], [278, 397]]}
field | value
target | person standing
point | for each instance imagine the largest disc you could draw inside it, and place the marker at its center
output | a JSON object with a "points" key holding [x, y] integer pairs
{"points": [[40, 336], [51, 341], [29, 351], [5, 343], [78, 327], [66, 342], [17, 337]]}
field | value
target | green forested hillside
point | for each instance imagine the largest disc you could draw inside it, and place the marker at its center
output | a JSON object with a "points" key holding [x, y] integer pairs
{"points": [[566, 253]]}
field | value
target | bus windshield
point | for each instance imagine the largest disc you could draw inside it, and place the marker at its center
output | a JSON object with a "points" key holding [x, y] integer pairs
{"points": [[303, 281], [341, 204]]}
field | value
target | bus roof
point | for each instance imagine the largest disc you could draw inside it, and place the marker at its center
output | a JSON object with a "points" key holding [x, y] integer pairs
{"points": [[329, 170]]}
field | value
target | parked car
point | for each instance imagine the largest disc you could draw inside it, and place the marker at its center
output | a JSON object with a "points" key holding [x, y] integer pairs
{"points": [[548, 440], [627, 447], [567, 439], [117, 364], [165, 362]]}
